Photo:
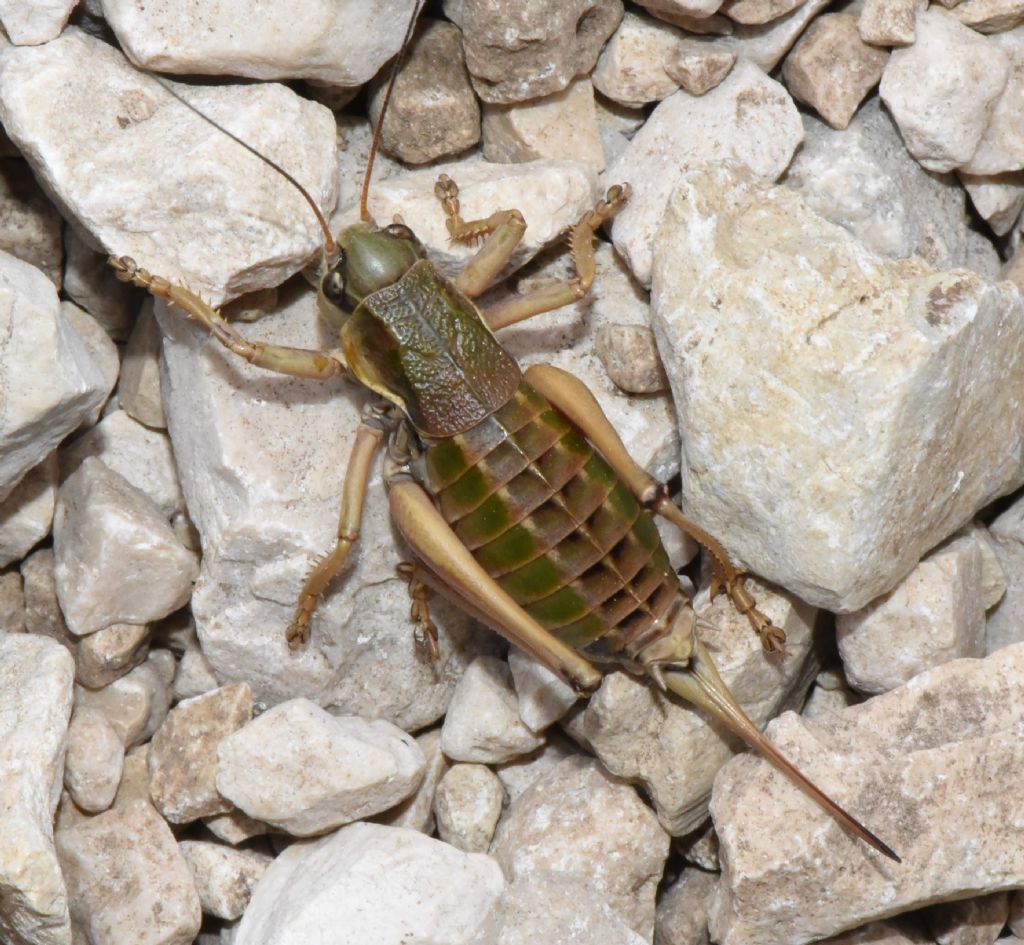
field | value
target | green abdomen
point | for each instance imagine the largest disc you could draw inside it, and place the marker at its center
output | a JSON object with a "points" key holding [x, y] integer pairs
{"points": [[552, 523]]}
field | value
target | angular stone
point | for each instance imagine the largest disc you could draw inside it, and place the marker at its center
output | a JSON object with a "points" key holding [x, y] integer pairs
{"points": [[629, 354], [39, 21], [990, 16], [49, 380], [976, 921], [561, 127], [30, 225], [267, 512], [181, 218], [117, 560], [542, 697], [630, 69], [682, 914], [27, 513], [864, 180], [998, 198], [522, 51], [111, 653], [433, 111], [901, 931], [101, 349], [686, 13], [94, 762], [467, 806], [483, 723], [698, 68], [942, 120], [127, 881], [12, 603], [42, 610], [372, 882], [90, 281], [1001, 148], [141, 455], [299, 768], [183, 754], [832, 69], [578, 819], [139, 388], [552, 906], [757, 12], [195, 675], [235, 827], [340, 43], [933, 769], [934, 615], [35, 703], [889, 22], [135, 704], [938, 329], [516, 776], [669, 748], [417, 812], [224, 878], [1005, 623], [748, 118]]}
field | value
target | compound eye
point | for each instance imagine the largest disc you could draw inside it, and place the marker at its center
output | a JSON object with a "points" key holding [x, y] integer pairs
{"points": [[400, 232], [333, 285]]}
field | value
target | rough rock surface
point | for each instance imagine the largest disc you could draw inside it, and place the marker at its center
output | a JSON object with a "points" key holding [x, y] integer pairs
{"points": [[224, 877], [1001, 148], [135, 704], [48, 379], [368, 883], [1005, 623], [30, 226], [341, 43], [630, 70], [932, 767], [467, 806], [26, 515], [417, 812], [94, 761], [580, 820], [182, 757], [748, 118], [127, 880], [888, 22], [543, 698], [111, 653], [305, 771], [682, 916], [856, 343], [184, 218], [35, 704]]}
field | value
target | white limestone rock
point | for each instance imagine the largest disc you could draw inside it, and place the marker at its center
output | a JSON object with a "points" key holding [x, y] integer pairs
{"points": [[483, 723], [974, 921], [101, 348], [1005, 622], [1001, 148], [27, 513], [94, 762], [117, 560], [111, 653], [630, 69], [224, 878], [812, 474], [561, 127], [94, 286], [552, 195], [889, 22], [932, 767], [998, 198], [682, 914], [339, 43], [182, 758], [934, 615], [42, 610], [552, 906], [417, 812], [517, 775], [128, 884], [669, 748], [368, 883], [698, 68], [139, 389], [943, 89], [12, 602], [262, 463], [467, 805], [36, 677], [48, 381], [147, 177], [306, 771], [863, 179], [30, 22], [748, 118], [30, 225], [235, 827], [141, 455], [990, 16], [578, 819], [135, 704], [194, 675], [543, 698]]}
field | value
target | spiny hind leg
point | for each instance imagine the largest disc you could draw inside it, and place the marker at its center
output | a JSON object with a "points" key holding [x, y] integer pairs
{"points": [[503, 231], [353, 497], [297, 362], [425, 633], [574, 399], [581, 244]]}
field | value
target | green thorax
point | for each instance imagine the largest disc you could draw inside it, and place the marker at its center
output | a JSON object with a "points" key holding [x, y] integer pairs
{"points": [[424, 346]]}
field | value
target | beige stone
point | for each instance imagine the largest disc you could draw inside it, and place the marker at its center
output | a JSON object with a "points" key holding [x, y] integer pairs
{"points": [[127, 880], [577, 819], [139, 387], [629, 354], [12, 602], [1001, 148], [42, 610], [236, 827], [467, 805], [110, 653], [889, 22], [224, 877], [417, 812], [682, 914], [433, 111], [851, 337], [37, 22], [990, 16], [92, 284], [932, 767], [101, 348], [542, 697], [562, 127], [94, 762], [630, 69], [832, 69], [757, 12], [698, 68], [998, 198], [183, 754], [974, 921], [30, 225], [135, 704], [27, 513]]}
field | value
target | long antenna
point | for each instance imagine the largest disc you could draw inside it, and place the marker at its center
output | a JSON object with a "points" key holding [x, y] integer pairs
{"points": [[364, 213], [330, 247]]}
